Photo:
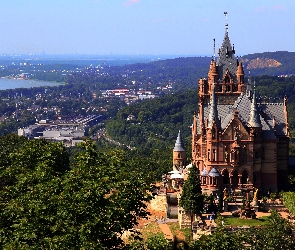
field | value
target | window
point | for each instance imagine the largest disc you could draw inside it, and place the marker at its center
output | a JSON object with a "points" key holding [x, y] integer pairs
{"points": [[214, 155]]}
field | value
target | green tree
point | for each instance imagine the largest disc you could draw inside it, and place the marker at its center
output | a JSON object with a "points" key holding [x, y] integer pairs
{"points": [[192, 199], [44, 204], [100, 201], [221, 239], [29, 195]]}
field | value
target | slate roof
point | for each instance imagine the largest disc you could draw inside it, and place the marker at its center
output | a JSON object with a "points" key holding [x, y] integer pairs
{"points": [[267, 111], [178, 144], [226, 59]]}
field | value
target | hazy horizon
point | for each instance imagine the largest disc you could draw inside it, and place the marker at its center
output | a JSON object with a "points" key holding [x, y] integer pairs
{"points": [[144, 27]]}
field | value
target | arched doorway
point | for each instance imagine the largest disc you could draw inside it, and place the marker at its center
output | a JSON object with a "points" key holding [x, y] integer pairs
{"points": [[225, 175], [235, 179], [245, 177]]}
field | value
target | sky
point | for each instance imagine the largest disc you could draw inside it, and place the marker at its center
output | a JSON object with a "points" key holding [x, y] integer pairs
{"points": [[144, 27]]}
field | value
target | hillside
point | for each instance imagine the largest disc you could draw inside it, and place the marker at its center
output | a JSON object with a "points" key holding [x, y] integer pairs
{"points": [[156, 122], [270, 63]]}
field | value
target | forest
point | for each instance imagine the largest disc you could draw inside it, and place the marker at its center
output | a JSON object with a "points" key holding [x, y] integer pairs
{"points": [[158, 121], [86, 197]]}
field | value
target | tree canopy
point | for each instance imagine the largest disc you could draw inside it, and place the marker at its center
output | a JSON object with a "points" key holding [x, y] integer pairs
{"points": [[192, 199], [47, 203]]}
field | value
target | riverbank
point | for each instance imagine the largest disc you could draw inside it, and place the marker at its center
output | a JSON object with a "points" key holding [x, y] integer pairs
{"points": [[15, 83]]}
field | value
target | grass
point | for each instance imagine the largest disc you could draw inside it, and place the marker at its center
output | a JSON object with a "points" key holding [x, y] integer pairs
{"points": [[176, 231], [238, 222], [150, 230]]}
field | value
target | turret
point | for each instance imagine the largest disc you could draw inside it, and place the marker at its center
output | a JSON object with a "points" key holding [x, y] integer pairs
{"points": [[213, 114], [179, 155], [254, 117]]}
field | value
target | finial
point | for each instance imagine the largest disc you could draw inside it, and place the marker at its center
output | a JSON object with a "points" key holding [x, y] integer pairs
{"points": [[226, 24], [214, 49]]}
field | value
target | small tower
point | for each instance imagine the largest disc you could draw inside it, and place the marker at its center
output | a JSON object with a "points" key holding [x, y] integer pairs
{"points": [[178, 154]]}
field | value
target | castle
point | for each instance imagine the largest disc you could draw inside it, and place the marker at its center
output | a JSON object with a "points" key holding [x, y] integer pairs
{"points": [[238, 140]]}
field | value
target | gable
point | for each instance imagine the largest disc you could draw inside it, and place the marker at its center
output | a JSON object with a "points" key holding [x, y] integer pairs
{"points": [[235, 129]]}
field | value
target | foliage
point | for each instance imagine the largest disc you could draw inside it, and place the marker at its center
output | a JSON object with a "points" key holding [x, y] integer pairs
{"points": [[46, 204], [276, 233], [154, 131], [220, 239], [289, 201], [30, 194], [157, 121], [158, 242], [192, 199], [210, 205]]}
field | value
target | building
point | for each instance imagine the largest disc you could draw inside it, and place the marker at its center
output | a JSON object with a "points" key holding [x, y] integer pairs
{"points": [[238, 140], [179, 154]]}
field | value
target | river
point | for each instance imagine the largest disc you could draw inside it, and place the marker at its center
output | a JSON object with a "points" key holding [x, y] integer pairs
{"points": [[6, 83]]}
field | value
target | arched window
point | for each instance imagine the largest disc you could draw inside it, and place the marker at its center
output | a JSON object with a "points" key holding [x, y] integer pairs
{"points": [[214, 155], [245, 154], [225, 177], [245, 177]]}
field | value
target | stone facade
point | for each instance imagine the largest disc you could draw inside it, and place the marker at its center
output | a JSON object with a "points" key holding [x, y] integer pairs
{"points": [[238, 140]]}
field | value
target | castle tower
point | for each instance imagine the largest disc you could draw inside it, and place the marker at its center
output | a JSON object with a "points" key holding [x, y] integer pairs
{"points": [[179, 155], [237, 142]]}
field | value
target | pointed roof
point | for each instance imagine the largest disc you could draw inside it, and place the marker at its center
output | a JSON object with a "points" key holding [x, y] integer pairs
{"points": [[213, 114], [204, 172], [213, 172], [178, 144], [254, 118], [226, 59]]}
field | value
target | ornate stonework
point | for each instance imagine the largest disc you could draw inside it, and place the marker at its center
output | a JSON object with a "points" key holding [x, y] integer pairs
{"points": [[237, 140]]}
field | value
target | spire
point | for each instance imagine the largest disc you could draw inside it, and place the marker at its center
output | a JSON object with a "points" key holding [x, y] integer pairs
{"points": [[240, 70], [226, 59], [226, 24], [213, 115], [178, 144], [254, 118], [249, 87], [214, 50]]}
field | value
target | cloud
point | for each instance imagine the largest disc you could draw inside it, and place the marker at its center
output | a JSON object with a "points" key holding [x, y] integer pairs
{"points": [[278, 7], [260, 9], [130, 2]]}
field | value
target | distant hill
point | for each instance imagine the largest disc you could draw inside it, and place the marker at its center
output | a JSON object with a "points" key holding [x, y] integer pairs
{"points": [[186, 71], [267, 63], [270, 63]]}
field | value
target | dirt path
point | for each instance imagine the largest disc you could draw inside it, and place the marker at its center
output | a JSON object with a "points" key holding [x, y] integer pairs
{"points": [[166, 230]]}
